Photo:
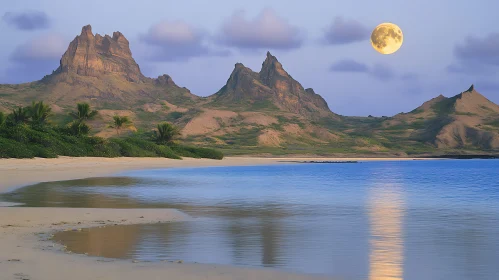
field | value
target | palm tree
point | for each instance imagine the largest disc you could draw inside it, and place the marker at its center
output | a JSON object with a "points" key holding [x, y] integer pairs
{"points": [[19, 116], [78, 128], [166, 133], [83, 112], [39, 112], [2, 118], [120, 122]]}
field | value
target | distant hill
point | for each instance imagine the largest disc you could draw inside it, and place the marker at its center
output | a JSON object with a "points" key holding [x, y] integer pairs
{"points": [[266, 112], [467, 120]]}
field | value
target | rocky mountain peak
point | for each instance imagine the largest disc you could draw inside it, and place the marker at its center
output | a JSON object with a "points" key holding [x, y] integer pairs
{"points": [[270, 58], [241, 77], [89, 55], [472, 102], [472, 88], [239, 65], [310, 90], [240, 69], [272, 85], [469, 102], [272, 71], [164, 80], [87, 31], [118, 35]]}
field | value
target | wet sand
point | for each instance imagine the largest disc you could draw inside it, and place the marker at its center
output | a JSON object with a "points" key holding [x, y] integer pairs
{"points": [[26, 252]]}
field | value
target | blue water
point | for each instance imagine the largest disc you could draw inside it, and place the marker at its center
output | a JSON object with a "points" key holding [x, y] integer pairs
{"points": [[372, 220]]}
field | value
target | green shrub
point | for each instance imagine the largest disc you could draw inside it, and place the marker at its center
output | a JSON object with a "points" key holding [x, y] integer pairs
{"points": [[51, 143], [195, 152], [43, 152], [129, 150], [13, 149], [494, 123], [77, 128], [175, 115]]}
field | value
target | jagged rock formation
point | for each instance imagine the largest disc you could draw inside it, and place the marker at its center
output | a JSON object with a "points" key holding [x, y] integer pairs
{"points": [[271, 88], [90, 55]]}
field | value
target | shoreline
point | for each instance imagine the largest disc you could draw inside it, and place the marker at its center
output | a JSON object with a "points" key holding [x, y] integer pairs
{"points": [[16, 173], [27, 254]]}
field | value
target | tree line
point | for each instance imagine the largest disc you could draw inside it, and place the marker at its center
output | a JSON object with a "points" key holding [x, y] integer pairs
{"points": [[38, 114], [28, 132]]}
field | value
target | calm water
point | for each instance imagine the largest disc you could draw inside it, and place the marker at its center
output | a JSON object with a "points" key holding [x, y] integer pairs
{"points": [[373, 220]]}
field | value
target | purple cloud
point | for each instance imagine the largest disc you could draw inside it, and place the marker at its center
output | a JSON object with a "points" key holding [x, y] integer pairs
{"points": [[47, 47], [476, 55], [472, 67], [483, 50], [345, 31], [177, 41], [349, 65], [29, 20], [34, 59], [266, 31], [378, 71]]}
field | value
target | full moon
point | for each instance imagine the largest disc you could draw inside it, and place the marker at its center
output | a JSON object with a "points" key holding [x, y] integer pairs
{"points": [[387, 38]]}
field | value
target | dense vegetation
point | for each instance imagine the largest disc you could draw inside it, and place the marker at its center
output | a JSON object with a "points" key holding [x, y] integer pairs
{"points": [[27, 132]]}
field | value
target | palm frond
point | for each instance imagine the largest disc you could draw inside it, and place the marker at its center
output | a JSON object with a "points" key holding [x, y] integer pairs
{"points": [[166, 133]]}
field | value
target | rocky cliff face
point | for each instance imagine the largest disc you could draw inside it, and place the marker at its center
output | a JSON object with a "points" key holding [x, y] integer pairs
{"points": [[273, 87], [90, 55]]}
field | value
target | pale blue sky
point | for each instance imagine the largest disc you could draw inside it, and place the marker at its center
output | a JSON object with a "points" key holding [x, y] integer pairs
{"points": [[33, 38]]}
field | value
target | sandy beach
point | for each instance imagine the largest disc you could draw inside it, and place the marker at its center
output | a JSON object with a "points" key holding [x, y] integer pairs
{"points": [[26, 252]]}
